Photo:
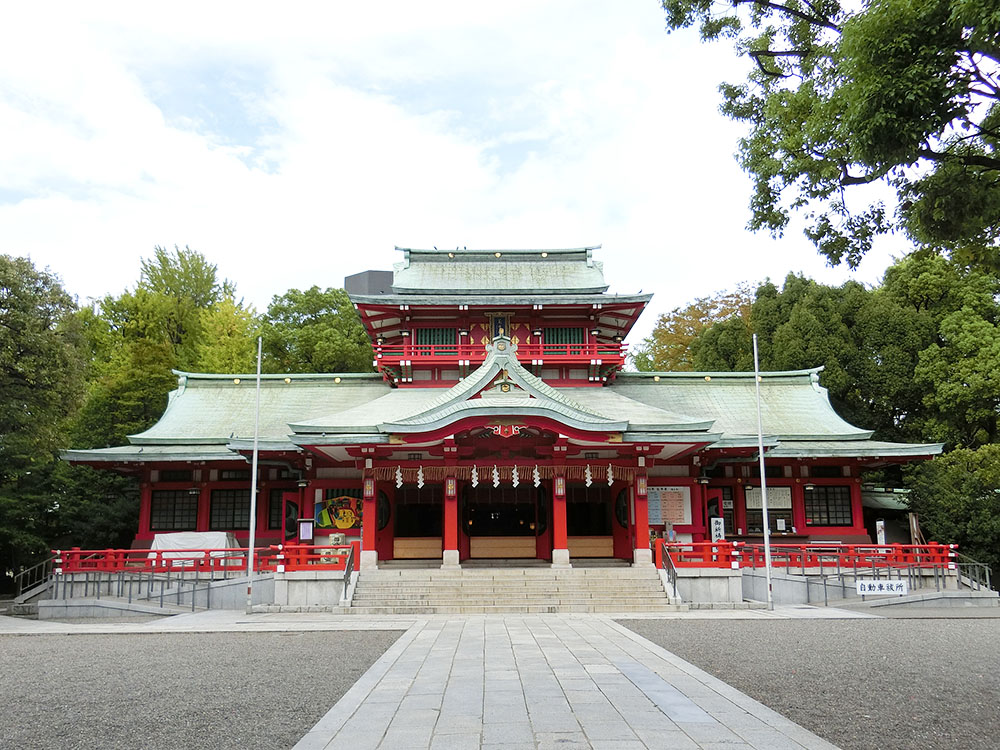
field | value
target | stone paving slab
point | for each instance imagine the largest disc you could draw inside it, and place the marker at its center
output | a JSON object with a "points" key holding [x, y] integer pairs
{"points": [[225, 621], [547, 681]]}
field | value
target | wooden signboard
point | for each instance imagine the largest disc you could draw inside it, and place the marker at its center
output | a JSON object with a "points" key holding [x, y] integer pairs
{"points": [[669, 505]]}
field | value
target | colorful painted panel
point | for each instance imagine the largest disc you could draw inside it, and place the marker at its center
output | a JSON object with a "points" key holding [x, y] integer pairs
{"points": [[340, 509]]}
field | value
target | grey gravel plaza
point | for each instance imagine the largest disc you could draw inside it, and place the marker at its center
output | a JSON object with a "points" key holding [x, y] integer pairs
{"points": [[227, 680]]}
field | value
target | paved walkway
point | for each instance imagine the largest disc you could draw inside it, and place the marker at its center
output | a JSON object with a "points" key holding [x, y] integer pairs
{"points": [[515, 681], [541, 682]]}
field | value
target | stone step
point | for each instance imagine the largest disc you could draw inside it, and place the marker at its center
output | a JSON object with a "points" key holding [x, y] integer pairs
{"points": [[509, 573], [418, 600], [511, 590], [491, 591], [501, 590], [463, 609]]}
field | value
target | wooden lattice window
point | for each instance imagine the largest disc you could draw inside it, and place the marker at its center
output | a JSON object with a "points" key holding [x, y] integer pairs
{"points": [[828, 506], [557, 339], [443, 339], [173, 510], [230, 510]]}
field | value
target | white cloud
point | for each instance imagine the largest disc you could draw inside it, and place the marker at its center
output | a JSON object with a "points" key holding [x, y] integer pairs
{"points": [[295, 147]]}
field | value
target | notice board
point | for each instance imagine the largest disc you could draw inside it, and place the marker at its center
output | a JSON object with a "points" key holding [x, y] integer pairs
{"points": [[669, 505]]}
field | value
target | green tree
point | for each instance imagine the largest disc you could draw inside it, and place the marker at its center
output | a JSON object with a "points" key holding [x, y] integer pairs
{"points": [[229, 340], [315, 330], [668, 347], [913, 359], [957, 500], [138, 337], [804, 324], [41, 368], [181, 285], [904, 93], [175, 318]]}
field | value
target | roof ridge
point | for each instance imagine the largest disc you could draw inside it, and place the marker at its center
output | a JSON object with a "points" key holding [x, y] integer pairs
{"points": [[722, 374]]}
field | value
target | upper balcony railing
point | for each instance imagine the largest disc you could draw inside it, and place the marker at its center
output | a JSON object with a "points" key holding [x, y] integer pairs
{"points": [[608, 353]]}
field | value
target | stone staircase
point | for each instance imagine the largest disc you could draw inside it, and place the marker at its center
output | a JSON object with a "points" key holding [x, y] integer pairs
{"points": [[510, 590]]}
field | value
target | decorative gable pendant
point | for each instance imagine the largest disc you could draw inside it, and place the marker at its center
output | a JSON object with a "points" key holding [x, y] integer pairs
{"points": [[420, 477], [475, 477], [588, 479], [514, 479], [506, 430]]}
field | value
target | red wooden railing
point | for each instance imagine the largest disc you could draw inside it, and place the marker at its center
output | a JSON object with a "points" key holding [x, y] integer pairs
{"points": [[818, 555], [468, 350], [228, 560], [314, 557], [698, 554]]}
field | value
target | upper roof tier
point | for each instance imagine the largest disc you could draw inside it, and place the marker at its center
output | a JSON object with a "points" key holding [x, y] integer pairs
{"points": [[489, 272]]}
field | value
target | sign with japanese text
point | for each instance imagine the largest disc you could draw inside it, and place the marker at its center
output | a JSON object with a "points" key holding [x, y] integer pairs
{"points": [[669, 505], [870, 587], [777, 497], [718, 529]]}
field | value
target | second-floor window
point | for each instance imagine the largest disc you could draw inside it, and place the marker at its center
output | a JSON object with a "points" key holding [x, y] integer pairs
{"points": [[556, 340], [443, 339]]}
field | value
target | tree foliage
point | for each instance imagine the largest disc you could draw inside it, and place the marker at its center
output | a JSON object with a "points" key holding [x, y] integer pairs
{"points": [[914, 359], [905, 93], [229, 338], [315, 330], [41, 371], [138, 337], [957, 499], [40, 365], [668, 347]]}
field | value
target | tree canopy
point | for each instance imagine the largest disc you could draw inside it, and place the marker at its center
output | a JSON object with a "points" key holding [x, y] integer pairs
{"points": [[956, 497], [914, 358], [40, 365], [905, 93], [669, 346], [41, 382], [315, 330]]}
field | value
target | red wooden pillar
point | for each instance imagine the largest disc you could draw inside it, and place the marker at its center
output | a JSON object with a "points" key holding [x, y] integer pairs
{"points": [[699, 498], [560, 545], [799, 507], [204, 506], [856, 509], [145, 504], [642, 554], [450, 557], [369, 522]]}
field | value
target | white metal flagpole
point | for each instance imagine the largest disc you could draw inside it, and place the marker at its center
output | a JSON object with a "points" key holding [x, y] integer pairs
{"points": [[763, 478], [253, 486]]}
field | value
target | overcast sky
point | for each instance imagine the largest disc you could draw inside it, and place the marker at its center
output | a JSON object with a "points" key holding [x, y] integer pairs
{"points": [[295, 144]]}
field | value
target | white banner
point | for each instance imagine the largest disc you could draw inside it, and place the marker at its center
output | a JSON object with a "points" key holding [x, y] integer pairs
{"points": [[777, 498], [871, 586]]}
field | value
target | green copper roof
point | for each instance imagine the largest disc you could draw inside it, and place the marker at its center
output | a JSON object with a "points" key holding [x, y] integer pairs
{"points": [[870, 449], [212, 409], [498, 297], [209, 417], [793, 404], [144, 453], [567, 271]]}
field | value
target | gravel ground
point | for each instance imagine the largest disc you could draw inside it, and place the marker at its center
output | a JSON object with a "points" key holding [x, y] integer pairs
{"points": [[176, 690], [900, 683]]}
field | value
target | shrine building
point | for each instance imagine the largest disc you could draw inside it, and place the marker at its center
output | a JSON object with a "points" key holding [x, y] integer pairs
{"points": [[500, 424]]}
